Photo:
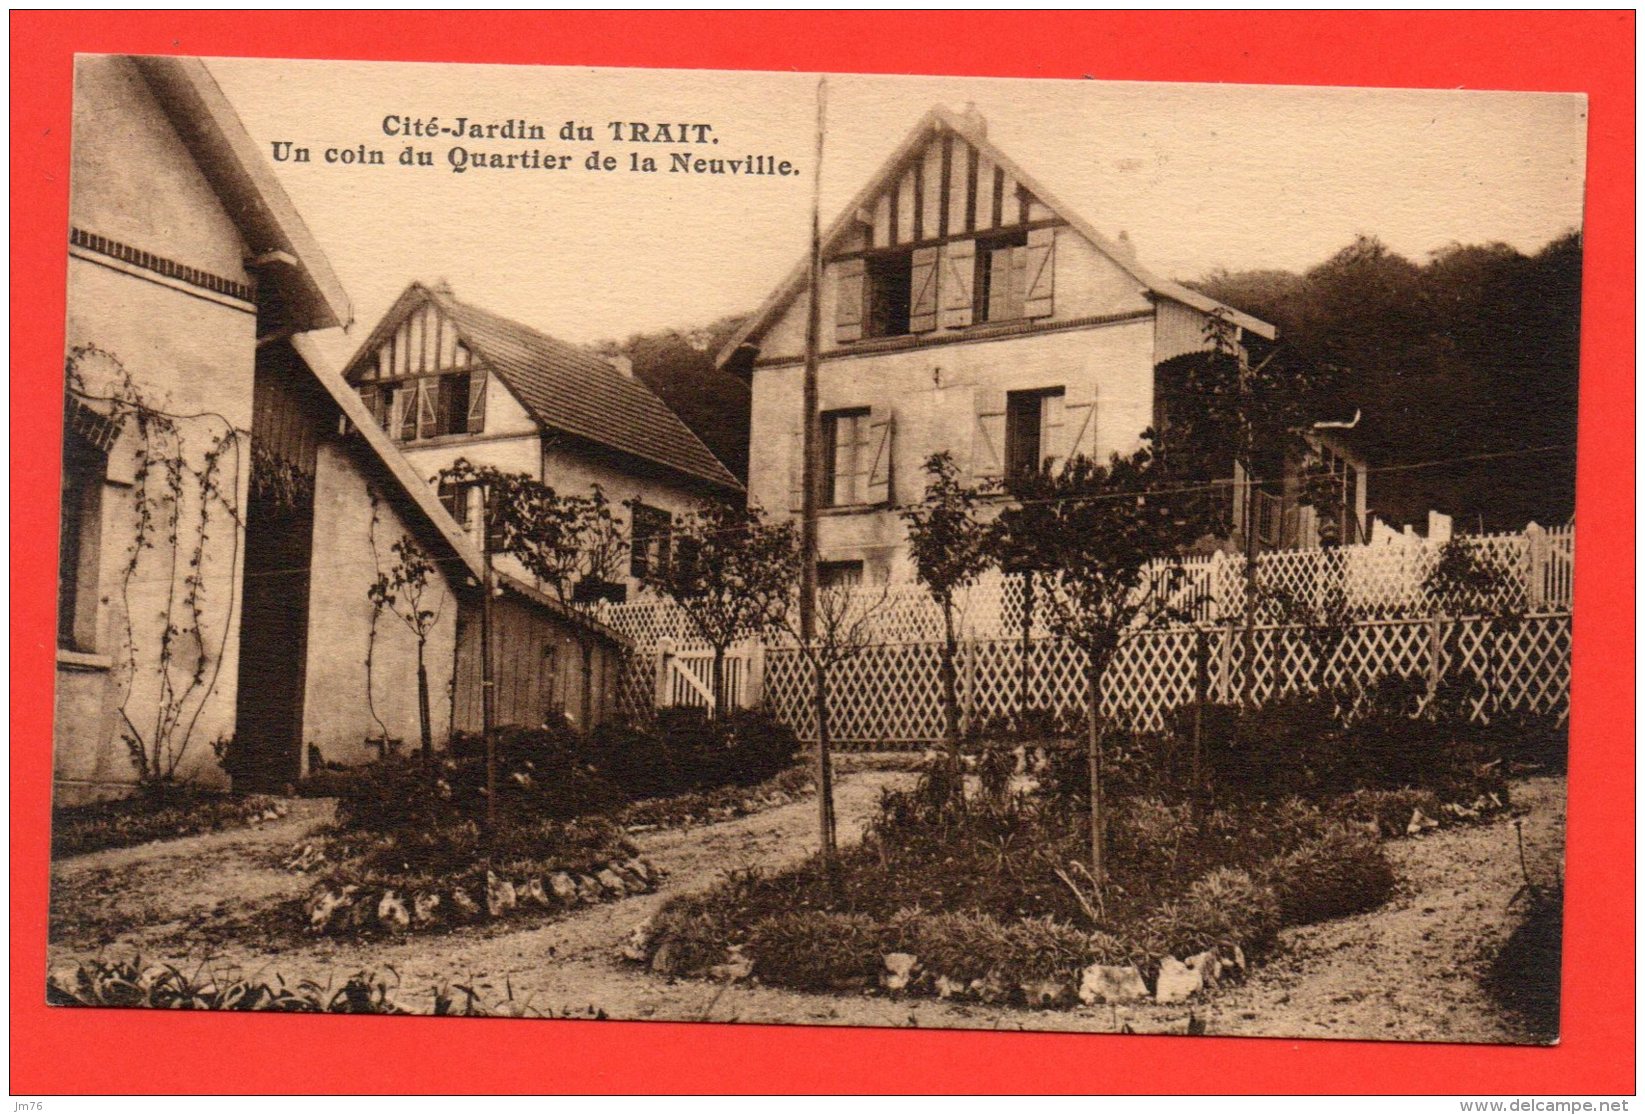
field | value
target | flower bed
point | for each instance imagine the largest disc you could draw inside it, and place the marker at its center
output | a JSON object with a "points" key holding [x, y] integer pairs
{"points": [[415, 848], [155, 813], [983, 894]]}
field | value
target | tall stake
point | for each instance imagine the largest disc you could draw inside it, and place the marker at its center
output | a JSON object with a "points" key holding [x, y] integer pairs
{"points": [[808, 483], [488, 692]]}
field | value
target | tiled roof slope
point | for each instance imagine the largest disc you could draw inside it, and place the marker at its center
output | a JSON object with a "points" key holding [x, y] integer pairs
{"points": [[572, 390]]}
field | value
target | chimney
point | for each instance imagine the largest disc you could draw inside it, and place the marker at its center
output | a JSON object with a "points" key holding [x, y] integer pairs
{"points": [[624, 365], [1127, 249], [975, 122], [442, 285]]}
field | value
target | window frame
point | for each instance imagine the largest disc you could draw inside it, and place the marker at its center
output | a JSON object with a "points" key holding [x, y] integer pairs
{"points": [[982, 283], [84, 469], [657, 532], [829, 424], [1016, 404], [892, 292]]}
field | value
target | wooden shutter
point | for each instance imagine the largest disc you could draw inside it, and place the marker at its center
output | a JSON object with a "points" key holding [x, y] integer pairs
{"points": [[959, 262], [1039, 272], [1054, 421], [922, 313], [880, 428], [428, 418], [1078, 435], [405, 413], [476, 402], [849, 283], [988, 439], [796, 471]]}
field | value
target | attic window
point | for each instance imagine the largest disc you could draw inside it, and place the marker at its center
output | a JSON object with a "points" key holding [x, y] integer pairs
{"points": [[997, 290], [889, 290]]}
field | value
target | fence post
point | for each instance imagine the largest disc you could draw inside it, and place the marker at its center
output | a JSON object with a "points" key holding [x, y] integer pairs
{"points": [[1225, 664], [1537, 572], [754, 678], [665, 657], [1436, 650]]}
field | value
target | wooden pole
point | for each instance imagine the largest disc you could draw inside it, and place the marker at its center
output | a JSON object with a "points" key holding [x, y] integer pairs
{"points": [[488, 692], [808, 481]]}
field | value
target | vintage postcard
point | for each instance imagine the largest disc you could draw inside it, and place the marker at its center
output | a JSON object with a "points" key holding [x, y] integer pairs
{"points": [[829, 550]]}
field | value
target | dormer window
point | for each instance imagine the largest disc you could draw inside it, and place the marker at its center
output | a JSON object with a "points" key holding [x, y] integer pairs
{"points": [[997, 290]]}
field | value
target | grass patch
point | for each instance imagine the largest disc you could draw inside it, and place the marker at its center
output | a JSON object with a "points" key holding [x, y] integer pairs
{"points": [[163, 812]]}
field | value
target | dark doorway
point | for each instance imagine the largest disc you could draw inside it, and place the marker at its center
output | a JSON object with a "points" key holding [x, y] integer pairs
{"points": [[287, 418]]}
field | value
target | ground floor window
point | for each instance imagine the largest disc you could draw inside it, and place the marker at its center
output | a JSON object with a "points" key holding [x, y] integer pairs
{"points": [[84, 466]]}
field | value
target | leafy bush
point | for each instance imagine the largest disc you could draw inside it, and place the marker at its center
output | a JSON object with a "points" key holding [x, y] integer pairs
{"points": [[1221, 910], [816, 950], [161, 811], [1332, 876]]}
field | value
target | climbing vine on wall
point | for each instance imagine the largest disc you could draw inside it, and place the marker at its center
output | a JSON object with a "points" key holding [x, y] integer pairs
{"points": [[184, 488]]}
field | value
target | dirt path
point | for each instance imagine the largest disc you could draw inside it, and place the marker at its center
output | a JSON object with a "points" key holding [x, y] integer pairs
{"points": [[1405, 972]]}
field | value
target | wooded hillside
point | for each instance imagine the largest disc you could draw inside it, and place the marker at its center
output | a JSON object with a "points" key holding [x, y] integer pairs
{"points": [[1473, 353]]}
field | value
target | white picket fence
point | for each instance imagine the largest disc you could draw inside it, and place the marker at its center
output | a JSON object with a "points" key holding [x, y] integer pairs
{"points": [[889, 693]]}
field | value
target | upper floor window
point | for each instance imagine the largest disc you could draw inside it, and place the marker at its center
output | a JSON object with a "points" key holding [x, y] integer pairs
{"points": [[427, 407], [845, 457], [1026, 429], [997, 289], [648, 539], [889, 292]]}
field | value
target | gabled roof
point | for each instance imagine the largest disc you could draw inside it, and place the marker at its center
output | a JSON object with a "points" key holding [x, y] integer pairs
{"points": [[237, 169], [934, 123], [567, 388], [420, 494]]}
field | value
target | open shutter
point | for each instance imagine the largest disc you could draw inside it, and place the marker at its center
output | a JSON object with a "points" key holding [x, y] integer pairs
{"points": [[428, 417], [1078, 436], [959, 263], [880, 428], [1004, 303], [1038, 272], [848, 300], [476, 402], [1054, 421], [988, 440], [922, 313], [796, 471], [405, 412]]}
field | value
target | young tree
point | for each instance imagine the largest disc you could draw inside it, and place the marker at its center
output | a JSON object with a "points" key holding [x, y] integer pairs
{"points": [[1012, 545], [574, 545], [1108, 538], [950, 549], [731, 571], [404, 591]]}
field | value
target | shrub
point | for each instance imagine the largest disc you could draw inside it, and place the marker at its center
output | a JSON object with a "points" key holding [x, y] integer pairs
{"points": [[1332, 876], [160, 811], [816, 950], [1223, 909]]}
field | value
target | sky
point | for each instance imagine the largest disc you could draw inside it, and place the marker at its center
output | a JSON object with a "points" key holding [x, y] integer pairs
{"points": [[1199, 176]]}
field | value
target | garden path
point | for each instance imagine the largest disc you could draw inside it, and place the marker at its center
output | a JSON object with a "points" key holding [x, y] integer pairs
{"points": [[1408, 971]]}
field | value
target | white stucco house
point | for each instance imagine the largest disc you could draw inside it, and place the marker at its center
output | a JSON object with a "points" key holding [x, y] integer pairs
{"points": [[963, 309]]}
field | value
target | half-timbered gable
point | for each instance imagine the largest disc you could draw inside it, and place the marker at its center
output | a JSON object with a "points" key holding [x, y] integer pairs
{"points": [[447, 379], [963, 309]]}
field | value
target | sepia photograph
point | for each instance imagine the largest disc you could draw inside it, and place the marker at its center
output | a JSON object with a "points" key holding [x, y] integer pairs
{"points": [[816, 549]]}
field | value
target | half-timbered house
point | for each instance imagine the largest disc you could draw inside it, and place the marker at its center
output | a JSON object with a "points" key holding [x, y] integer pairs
{"points": [[448, 380], [965, 309]]}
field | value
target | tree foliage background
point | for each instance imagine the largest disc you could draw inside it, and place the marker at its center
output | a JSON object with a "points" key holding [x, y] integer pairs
{"points": [[1471, 352]]}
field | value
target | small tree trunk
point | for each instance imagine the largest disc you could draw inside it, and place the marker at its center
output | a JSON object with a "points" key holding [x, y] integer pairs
{"points": [[1094, 757], [825, 769], [422, 703], [587, 648], [950, 678], [719, 682]]}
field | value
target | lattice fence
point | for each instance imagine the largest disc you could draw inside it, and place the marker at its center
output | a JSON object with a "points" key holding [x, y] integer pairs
{"points": [[891, 695], [1382, 580]]}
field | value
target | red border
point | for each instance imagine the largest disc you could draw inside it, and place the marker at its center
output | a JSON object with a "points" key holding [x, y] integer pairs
{"points": [[95, 1051]]}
